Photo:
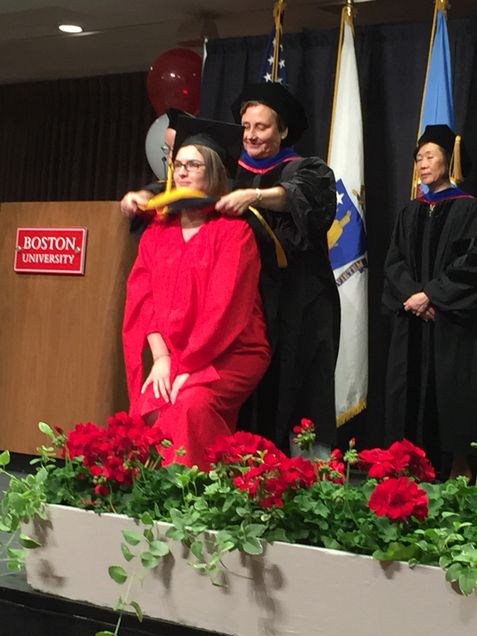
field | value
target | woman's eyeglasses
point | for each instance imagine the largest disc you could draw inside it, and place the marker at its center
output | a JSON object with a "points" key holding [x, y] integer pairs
{"points": [[192, 165]]}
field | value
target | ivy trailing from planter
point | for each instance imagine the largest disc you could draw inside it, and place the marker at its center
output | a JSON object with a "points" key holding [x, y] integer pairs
{"points": [[252, 494]]}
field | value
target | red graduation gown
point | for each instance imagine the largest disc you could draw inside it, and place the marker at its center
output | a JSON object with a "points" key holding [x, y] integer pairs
{"points": [[202, 296]]}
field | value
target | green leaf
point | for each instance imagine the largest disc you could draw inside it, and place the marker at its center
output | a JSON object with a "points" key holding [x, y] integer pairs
{"points": [[147, 519], [176, 518], [454, 572], [468, 581], [470, 553], [148, 560], [132, 537], [447, 514], [46, 429], [396, 552], [254, 530], [118, 574], [175, 533], [105, 633], [4, 458], [200, 566], [28, 542], [159, 548], [137, 610], [127, 554], [201, 505], [119, 606], [15, 566], [227, 546], [15, 553], [197, 549], [252, 546], [278, 535]]}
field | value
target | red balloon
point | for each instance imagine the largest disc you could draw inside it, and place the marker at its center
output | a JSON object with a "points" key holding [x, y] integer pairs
{"points": [[173, 81]]}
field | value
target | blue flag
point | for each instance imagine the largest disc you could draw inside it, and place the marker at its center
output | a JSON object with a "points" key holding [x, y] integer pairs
{"points": [[438, 102]]}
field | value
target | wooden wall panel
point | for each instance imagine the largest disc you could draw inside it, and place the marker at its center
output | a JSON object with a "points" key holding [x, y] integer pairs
{"points": [[60, 335]]}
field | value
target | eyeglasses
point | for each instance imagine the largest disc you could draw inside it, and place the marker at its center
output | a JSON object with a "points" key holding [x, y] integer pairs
{"points": [[192, 165]]}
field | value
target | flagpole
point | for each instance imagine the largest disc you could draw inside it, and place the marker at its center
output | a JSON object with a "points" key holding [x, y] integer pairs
{"points": [[347, 13], [439, 5], [278, 11]]}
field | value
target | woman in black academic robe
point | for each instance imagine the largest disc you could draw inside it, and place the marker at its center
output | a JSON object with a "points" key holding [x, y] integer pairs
{"points": [[431, 293], [297, 198]]}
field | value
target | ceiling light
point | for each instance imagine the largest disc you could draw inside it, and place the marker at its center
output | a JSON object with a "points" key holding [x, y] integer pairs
{"points": [[70, 28]]}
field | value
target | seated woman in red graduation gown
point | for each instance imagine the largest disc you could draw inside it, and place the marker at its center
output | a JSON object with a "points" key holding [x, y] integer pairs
{"points": [[193, 299]]}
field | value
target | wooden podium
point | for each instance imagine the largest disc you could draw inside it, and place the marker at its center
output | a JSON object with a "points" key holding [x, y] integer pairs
{"points": [[61, 358]]}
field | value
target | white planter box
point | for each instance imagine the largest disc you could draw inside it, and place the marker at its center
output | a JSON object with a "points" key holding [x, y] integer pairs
{"points": [[290, 590]]}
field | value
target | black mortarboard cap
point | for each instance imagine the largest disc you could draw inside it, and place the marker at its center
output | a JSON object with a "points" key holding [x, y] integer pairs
{"points": [[224, 138], [173, 114], [439, 134], [278, 98], [446, 138]]}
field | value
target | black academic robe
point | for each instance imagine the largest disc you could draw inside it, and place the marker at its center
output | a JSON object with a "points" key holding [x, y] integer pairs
{"points": [[139, 222], [301, 301], [431, 394]]}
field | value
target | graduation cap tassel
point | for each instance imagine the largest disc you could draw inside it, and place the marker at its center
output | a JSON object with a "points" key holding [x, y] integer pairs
{"points": [[456, 169]]}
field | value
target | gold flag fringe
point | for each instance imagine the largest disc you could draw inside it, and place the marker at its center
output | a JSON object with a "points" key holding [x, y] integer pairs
{"points": [[351, 412], [456, 162]]}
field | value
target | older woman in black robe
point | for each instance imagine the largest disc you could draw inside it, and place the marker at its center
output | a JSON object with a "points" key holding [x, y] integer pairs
{"points": [[431, 293]]}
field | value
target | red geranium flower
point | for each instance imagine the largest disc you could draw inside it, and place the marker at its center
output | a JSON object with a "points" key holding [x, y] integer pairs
{"points": [[305, 426], [305, 434], [268, 482], [239, 448], [418, 465], [401, 458], [113, 453], [399, 499]]}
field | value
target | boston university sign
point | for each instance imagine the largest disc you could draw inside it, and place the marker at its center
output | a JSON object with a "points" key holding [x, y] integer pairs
{"points": [[50, 250]]}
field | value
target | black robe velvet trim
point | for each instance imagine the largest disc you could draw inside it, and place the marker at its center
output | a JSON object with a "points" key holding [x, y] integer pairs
{"points": [[432, 367], [301, 303]]}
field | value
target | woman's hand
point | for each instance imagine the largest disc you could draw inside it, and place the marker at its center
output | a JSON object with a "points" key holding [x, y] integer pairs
{"points": [[235, 203], [131, 201], [177, 385], [429, 314], [160, 378], [417, 303]]}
